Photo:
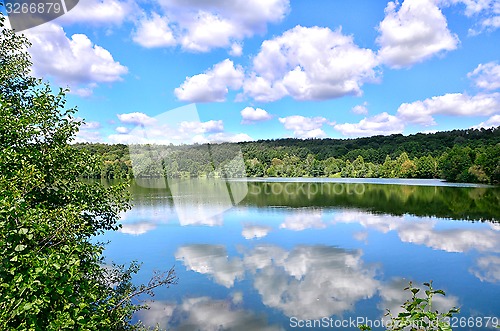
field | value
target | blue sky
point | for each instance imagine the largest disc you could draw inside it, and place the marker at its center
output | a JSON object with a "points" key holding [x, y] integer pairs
{"points": [[266, 69]]}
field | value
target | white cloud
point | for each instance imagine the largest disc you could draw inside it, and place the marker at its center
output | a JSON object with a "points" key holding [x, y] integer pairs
{"points": [[205, 25], [213, 85], [255, 231], [74, 62], [251, 115], [88, 132], [87, 136], [311, 281], [209, 31], [152, 131], [228, 137], [102, 12], [310, 64], [486, 12], [137, 228], [90, 125], [486, 76], [304, 127], [413, 32], [425, 233], [236, 49], [122, 129], [487, 269], [456, 104], [492, 122], [204, 313], [201, 127], [136, 118], [303, 220], [360, 109], [381, 124], [154, 32], [211, 260]]}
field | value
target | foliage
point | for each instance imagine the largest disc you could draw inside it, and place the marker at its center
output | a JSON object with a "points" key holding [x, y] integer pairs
{"points": [[459, 156], [52, 275], [418, 313]]}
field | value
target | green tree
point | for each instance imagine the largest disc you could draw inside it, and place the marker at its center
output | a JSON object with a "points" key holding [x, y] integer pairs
{"points": [[52, 275], [455, 164]]}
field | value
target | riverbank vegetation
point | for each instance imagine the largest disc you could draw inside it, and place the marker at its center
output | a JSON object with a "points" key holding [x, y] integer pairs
{"points": [[471, 155], [53, 275]]}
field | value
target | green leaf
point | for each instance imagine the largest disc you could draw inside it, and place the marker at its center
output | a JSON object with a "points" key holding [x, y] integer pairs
{"points": [[20, 248]]}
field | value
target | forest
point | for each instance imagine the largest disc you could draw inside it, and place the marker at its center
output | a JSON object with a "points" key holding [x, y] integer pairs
{"points": [[471, 155]]}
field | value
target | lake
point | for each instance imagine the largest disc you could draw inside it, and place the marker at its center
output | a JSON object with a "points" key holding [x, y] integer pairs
{"points": [[277, 254]]}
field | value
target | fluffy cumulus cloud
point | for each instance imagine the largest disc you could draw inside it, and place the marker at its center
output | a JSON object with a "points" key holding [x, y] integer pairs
{"points": [[305, 127], [452, 104], [101, 12], [426, 233], [252, 115], [413, 32], [201, 127], [201, 26], [311, 281], [204, 313], [360, 109], [310, 64], [303, 220], [486, 76], [170, 129], [491, 122], [88, 132], [213, 85], [75, 61], [486, 12], [255, 231], [136, 118], [211, 260], [154, 32], [487, 269], [381, 124]]}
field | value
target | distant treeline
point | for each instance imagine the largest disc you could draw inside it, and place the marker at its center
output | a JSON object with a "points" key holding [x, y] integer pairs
{"points": [[460, 156]]}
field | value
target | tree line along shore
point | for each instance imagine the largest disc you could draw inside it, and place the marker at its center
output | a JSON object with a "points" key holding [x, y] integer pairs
{"points": [[471, 156]]}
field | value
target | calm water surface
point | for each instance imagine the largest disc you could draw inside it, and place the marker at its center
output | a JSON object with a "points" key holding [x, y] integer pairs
{"points": [[294, 251]]}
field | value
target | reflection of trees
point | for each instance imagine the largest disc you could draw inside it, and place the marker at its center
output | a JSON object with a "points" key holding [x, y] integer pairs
{"points": [[447, 202]]}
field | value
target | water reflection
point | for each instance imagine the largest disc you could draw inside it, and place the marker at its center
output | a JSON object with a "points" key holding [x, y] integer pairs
{"points": [[424, 232], [211, 260], [307, 282], [392, 297], [469, 203], [303, 219], [487, 268], [255, 231], [205, 313], [312, 281], [311, 254]]}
